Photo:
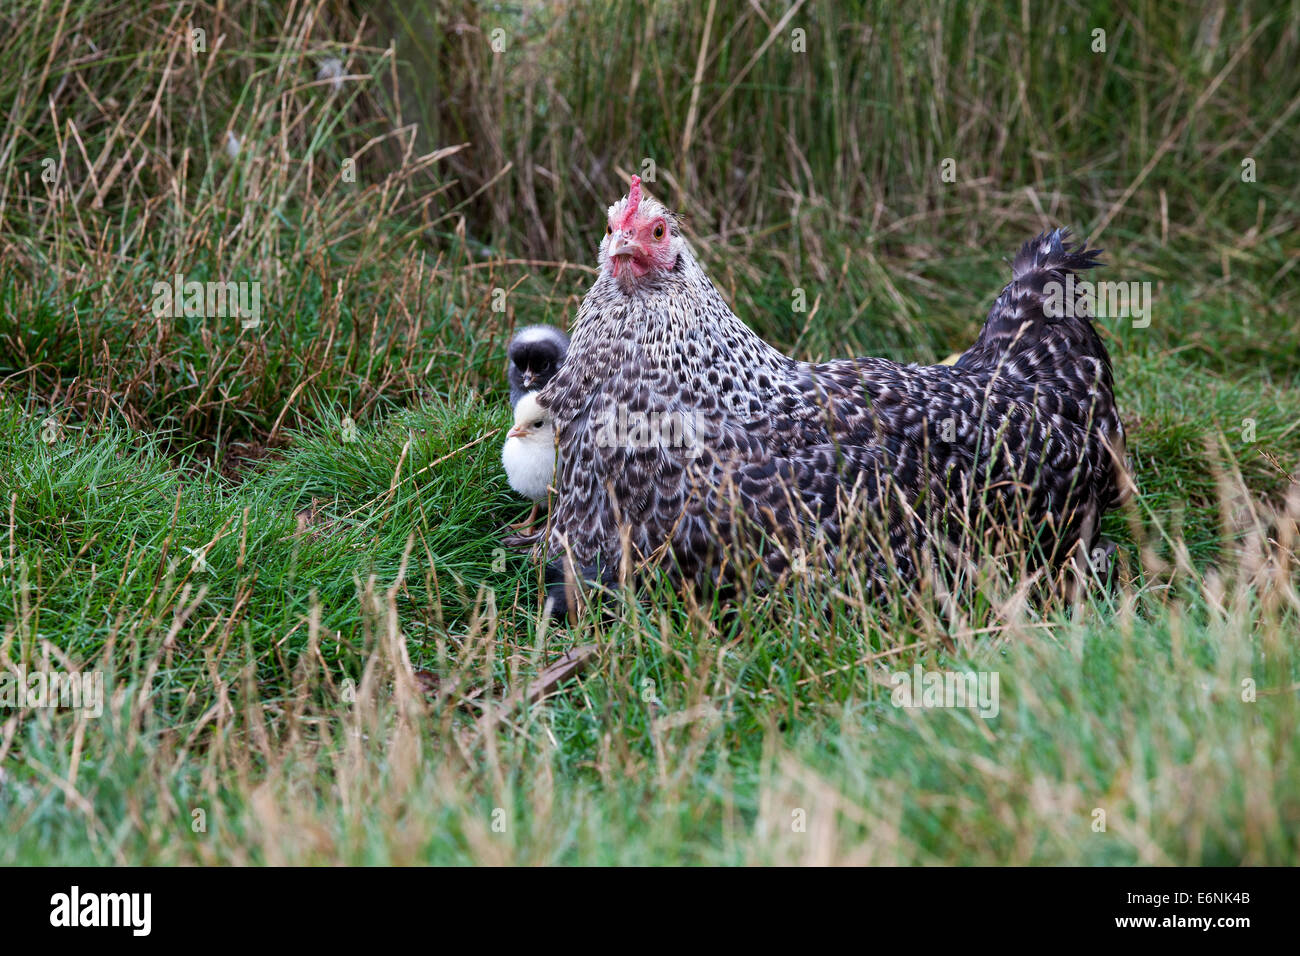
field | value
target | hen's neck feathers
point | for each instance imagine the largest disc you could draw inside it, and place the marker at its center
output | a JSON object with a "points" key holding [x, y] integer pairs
{"points": [[675, 321]]}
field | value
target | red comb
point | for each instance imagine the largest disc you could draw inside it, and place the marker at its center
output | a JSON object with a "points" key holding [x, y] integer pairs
{"points": [[633, 200]]}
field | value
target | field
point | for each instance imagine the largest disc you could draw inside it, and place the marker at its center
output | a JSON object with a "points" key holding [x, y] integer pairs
{"points": [[277, 540]]}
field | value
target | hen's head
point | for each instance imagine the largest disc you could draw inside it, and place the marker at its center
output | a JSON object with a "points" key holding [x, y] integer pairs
{"points": [[641, 240]]}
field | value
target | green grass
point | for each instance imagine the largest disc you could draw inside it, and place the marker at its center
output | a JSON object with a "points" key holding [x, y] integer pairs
{"points": [[300, 625], [696, 737]]}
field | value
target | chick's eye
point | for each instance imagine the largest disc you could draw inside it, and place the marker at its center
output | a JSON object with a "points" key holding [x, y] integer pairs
{"points": [[538, 423], [659, 231]]}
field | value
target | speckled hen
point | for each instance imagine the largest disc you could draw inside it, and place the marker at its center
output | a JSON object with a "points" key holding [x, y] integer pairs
{"points": [[684, 435]]}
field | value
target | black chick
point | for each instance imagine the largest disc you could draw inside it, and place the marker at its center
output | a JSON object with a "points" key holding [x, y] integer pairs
{"points": [[535, 354]]}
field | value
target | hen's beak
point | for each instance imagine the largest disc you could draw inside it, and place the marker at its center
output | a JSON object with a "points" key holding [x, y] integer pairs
{"points": [[622, 244], [519, 431]]}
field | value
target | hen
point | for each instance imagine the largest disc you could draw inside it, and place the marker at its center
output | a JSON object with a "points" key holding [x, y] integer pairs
{"points": [[683, 434]]}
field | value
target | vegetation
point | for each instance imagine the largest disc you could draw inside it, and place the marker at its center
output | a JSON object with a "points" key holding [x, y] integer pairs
{"points": [[280, 542]]}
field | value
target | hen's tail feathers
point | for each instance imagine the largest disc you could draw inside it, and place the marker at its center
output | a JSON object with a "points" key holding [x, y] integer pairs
{"points": [[1039, 302], [1039, 336]]}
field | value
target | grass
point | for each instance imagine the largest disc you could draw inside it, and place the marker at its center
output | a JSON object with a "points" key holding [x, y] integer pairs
{"points": [[697, 736], [281, 545]]}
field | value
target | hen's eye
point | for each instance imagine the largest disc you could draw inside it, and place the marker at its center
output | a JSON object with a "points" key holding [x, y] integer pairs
{"points": [[659, 231], [609, 230]]}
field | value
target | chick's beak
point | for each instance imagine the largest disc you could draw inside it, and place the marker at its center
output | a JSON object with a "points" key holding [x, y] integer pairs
{"points": [[528, 378], [519, 431]]}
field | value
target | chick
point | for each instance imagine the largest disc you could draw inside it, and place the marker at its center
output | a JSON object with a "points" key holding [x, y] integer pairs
{"points": [[529, 453], [535, 354]]}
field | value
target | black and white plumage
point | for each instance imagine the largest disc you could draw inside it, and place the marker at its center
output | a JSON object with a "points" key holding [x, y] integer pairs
{"points": [[534, 354], [863, 455]]}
